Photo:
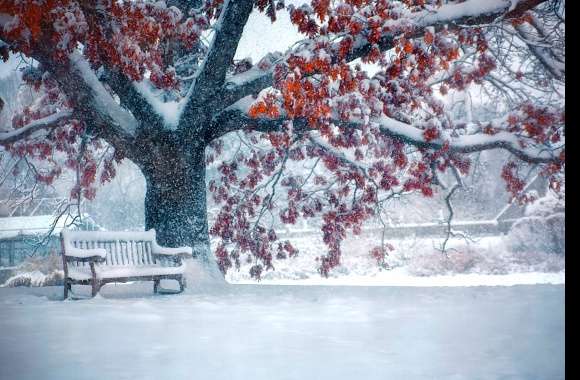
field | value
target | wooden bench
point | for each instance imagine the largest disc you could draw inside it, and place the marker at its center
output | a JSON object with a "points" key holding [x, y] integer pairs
{"points": [[99, 257]]}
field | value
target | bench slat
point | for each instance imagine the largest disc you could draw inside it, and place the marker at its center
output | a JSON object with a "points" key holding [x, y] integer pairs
{"points": [[103, 244], [107, 247], [133, 253], [77, 244], [144, 253], [141, 251], [137, 253], [128, 252], [148, 253], [114, 252], [121, 256], [120, 253]]}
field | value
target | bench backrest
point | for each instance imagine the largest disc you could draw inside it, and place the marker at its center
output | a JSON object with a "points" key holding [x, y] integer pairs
{"points": [[123, 248]]}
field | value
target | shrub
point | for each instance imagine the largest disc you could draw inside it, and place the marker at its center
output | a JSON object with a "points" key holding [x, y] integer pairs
{"points": [[541, 230], [38, 271]]}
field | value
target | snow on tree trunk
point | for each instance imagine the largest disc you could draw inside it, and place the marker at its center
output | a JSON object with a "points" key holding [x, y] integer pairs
{"points": [[175, 202]]}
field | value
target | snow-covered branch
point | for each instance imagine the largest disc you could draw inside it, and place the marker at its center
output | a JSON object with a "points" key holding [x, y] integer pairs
{"points": [[236, 118], [134, 101], [45, 123], [463, 144], [543, 54], [472, 12], [91, 98]]}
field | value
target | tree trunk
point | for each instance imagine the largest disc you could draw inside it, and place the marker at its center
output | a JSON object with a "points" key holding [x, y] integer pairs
{"points": [[175, 202]]}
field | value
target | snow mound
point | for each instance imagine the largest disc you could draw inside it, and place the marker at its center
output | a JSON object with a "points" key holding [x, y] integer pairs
{"points": [[35, 278]]}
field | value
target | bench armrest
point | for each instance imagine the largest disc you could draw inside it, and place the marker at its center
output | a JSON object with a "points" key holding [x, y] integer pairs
{"points": [[183, 252]]}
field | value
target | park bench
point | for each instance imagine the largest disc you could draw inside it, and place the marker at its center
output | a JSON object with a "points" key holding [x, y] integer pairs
{"points": [[99, 257]]}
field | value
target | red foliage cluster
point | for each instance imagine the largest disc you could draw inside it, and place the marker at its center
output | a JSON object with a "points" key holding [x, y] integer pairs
{"points": [[133, 38], [380, 254], [515, 184], [130, 36]]}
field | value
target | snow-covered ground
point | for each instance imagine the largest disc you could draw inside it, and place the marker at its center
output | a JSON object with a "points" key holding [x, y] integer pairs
{"points": [[479, 312], [401, 277], [284, 332], [414, 262]]}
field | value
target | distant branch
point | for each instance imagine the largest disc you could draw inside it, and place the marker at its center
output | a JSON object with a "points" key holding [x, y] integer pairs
{"points": [[542, 54], [449, 231]]}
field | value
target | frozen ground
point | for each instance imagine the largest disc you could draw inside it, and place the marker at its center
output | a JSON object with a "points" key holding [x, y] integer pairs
{"points": [[285, 332]]}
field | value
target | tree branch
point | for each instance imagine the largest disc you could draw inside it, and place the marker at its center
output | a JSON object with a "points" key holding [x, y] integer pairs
{"points": [[234, 119], [542, 54], [92, 102], [212, 73], [51, 121], [133, 101], [448, 229], [463, 144], [472, 12]]}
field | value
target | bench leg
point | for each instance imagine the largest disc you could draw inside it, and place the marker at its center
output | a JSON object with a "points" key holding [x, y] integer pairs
{"points": [[67, 288], [96, 286], [182, 284], [156, 286]]}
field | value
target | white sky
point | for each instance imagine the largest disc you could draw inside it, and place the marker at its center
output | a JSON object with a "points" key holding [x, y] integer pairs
{"points": [[261, 36], [8, 68]]}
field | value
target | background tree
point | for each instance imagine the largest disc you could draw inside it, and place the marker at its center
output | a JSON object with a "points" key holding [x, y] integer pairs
{"points": [[339, 123]]}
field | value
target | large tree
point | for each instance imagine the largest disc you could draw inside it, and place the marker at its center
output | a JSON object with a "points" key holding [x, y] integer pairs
{"points": [[319, 135]]}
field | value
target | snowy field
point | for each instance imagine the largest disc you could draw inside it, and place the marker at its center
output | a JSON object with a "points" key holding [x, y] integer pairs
{"points": [[285, 332]]}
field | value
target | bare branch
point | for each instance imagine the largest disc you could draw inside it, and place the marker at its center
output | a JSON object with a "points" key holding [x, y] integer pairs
{"points": [[449, 231]]}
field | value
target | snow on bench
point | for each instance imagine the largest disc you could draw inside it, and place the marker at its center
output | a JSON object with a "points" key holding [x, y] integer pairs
{"points": [[99, 257]]}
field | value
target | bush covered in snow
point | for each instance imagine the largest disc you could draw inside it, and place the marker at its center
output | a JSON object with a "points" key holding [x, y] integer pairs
{"points": [[488, 255], [38, 271], [35, 278], [494, 259], [542, 229]]}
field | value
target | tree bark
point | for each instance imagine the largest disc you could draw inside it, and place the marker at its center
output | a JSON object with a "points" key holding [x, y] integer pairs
{"points": [[175, 200]]}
